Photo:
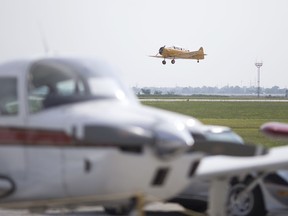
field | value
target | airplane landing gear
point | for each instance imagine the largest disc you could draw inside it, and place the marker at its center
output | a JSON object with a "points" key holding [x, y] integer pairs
{"points": [[164, 62], [134, 208], [197, 60], [173, 61]]}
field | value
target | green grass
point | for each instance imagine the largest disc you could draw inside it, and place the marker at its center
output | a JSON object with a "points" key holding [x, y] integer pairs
{"points": [[244, 118]]}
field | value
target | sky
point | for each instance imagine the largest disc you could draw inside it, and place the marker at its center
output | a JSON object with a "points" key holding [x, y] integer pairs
{"points": [[234, 33]]}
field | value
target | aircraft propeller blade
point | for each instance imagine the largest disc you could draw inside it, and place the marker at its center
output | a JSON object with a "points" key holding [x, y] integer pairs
{"points": [[161, 49]]}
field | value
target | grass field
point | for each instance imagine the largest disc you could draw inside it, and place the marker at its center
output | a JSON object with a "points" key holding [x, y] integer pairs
{"points": [[244, 118]]}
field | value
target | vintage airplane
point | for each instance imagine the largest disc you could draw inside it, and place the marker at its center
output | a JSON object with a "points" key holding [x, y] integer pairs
{"points": [[179, 53]]}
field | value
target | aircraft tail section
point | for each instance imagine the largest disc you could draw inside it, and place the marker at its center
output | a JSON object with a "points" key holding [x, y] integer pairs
{"points": [[201, 50]]}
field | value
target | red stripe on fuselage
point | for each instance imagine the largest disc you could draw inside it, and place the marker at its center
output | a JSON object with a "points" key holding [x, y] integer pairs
{"points": [[34, 137]]}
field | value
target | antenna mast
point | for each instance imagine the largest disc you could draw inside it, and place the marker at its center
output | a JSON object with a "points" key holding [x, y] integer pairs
{"points": [[43, 39]]}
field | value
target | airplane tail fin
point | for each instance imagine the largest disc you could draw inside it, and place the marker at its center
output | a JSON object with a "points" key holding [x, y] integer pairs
{"points": [[201, 49]]}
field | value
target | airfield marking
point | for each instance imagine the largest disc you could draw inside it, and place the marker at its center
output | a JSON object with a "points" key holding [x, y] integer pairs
{"points": [[214, 100], [166, 210]]}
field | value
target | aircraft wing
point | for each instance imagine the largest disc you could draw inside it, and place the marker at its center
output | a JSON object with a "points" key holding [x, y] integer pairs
{"points": [[228, 166], [156, 56], [177, 56], [219, 169]]}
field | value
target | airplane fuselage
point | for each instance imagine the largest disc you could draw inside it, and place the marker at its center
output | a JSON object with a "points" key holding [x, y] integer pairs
{"points": [[181, 53], [84, 145]]}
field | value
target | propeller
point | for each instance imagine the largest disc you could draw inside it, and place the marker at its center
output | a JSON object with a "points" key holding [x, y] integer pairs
{"points": [[161, 49]]}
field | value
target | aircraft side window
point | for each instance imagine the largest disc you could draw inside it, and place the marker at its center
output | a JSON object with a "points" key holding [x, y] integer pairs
{"points": [[36, 97], [53, 84], [70, 87], [8, 96]]}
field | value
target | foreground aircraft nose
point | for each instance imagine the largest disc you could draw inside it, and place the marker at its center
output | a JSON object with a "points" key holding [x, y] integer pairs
{"points": [[171, 141], [165, 140]]}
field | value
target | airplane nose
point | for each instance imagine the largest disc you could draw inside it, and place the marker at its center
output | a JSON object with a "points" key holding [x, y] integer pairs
{"points": [[171, 140], [161, 50], [166, 139]]}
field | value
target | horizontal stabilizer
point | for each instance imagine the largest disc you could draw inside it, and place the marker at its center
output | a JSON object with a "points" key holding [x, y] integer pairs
{"points": [[228, 148]]}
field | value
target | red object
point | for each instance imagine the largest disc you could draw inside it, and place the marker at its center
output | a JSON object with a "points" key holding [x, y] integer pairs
{"points": [[275, 129]]}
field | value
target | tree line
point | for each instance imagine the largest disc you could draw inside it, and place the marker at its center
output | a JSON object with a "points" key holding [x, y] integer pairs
{"points": [[226, 90]]}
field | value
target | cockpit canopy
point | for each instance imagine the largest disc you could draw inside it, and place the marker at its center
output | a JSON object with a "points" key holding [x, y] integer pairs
{"points": [[55, 82], [179, 48]]}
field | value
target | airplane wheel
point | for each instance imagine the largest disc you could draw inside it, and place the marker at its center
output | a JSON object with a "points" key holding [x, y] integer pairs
{"points": [[173, 61], [197, 61], [251, 203], [163, 62], [119, 210]]}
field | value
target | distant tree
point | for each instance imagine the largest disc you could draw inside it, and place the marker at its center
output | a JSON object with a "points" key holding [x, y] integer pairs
{"points": [[136, 90], [157, 92], [170, 92], [146, 91]]}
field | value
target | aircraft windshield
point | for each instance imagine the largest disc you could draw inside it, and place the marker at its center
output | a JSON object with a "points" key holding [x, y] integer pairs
{"points": [[59, 83], [103, 86], [179, 48]]}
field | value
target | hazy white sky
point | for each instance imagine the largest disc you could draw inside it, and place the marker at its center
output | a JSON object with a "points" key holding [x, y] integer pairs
{"points": [[234, 34]]}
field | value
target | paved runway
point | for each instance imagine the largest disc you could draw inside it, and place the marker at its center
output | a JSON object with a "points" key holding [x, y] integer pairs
{"points": [[217, 100], [95, 211], [158, 209]]}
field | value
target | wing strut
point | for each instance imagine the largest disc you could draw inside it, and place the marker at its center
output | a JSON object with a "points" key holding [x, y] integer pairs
{"points": [[218, 193]]}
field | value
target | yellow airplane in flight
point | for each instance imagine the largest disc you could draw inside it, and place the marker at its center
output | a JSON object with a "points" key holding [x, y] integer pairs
{"points": [[179, 53]]}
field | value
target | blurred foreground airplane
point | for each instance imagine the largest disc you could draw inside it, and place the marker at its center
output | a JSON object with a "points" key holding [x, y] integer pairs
{"points": [[179, 53], [71, 134]]}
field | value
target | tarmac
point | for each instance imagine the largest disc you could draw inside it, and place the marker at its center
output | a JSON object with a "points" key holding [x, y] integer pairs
{"points": [[158, 209], [215, 100]]}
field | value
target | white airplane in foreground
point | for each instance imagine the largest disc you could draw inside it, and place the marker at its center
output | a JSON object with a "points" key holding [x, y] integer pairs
{"points": [[72, 134], [179, 53]]}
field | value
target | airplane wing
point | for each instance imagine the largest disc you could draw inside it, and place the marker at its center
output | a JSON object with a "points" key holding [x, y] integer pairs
{"points": [[177, 56], [219, 169], [228, 166], [156, 56]]}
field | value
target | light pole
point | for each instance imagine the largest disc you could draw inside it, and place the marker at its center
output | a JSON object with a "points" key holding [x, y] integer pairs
{"points": [[258, 65]]}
